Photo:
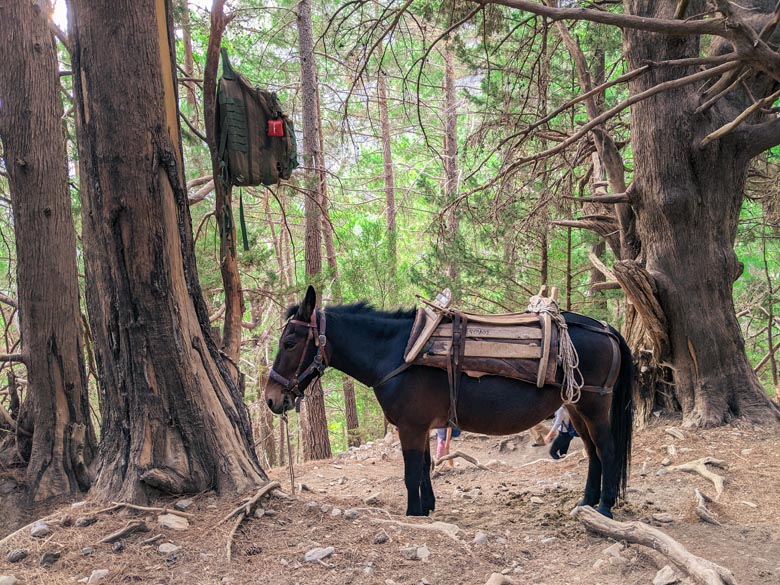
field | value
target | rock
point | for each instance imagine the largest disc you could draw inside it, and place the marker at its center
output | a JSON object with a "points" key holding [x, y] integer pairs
{"points": [[87, 550], [666, 461], [480, 538], [613, 550], [8, 580], [40, 529], [7, 487], [98, 575], [118, 546], [67, 521], [351, 514], [663, 518], [168, 548], [499, 579], [372, 499], [312, 505], [49, 558], [182, 505], [415, 553], [259, 512], [548, 540], [536, 500], [17, 554], [317, 554], [335, 512], [270, 513], [423, 553], [84, 521], [325, 508], [665, 576], [380, 538], [173, 522]]}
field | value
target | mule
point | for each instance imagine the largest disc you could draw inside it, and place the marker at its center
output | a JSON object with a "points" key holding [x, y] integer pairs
{"points": [[369, 344]]}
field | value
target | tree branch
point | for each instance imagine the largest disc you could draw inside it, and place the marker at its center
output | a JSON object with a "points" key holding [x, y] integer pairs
{"points": [[713, 26], [11, 357], [616, 198], [8, 301], [725, 129], [760, 137]]}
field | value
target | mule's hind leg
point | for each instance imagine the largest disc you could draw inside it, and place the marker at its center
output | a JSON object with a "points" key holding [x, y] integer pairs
{"points": [[594, 416], [593, 482], [413, 442], [427, 498]]}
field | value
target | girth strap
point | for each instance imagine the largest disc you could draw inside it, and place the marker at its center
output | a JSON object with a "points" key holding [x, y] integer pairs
{"points": [[455, 363]]}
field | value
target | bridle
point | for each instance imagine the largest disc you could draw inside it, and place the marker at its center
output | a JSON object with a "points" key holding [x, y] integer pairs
{"points": [[319, 363]]}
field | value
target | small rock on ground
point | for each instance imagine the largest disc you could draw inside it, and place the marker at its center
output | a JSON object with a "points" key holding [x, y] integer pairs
{"points": [[480, 538], [665, 576], [380, 538], [168, 548], [182, 505], [317, 554], [17, 554], [85, 521], [499, 579], [372, 499], [98, 575], [350, 514], [40, 529], [87, 550], [173, 522], [663, 518], [8, 580], [49, 558], [415, 553], [536, 500]]}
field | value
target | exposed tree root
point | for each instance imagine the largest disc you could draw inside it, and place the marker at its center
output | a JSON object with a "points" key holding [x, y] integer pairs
{"points": [[700, 466], [248, 507], [701, 508], [233, 529], [152, 540], [118, 505], [700, 570], [445, 528], [131, 528], [455, 454]]}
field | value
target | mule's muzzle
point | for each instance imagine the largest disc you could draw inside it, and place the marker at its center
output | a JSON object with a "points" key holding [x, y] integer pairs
{"points": [[277, 400]]}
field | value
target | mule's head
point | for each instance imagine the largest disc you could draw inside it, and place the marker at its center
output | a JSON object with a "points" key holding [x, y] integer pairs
{"points": [[292, 370]]}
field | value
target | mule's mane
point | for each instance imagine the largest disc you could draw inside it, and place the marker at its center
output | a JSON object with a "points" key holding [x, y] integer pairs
{"points": [[362, 308]]}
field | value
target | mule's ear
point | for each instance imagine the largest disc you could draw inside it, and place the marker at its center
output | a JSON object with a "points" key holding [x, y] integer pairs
{"points": [[308, 305]]}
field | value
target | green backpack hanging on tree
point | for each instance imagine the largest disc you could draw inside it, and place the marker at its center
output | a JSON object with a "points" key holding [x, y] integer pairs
{"points": [[256, 139]]}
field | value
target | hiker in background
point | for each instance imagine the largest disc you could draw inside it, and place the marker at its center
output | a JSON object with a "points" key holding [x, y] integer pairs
{"points": [[562, 425], [443, 437]]}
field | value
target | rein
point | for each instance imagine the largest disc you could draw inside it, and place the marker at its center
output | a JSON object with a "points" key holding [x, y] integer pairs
{"points": [[318, 364]]}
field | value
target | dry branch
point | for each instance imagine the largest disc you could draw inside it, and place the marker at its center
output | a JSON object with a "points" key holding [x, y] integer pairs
{"points": [[700, 570], [248, 507], [117, 505], [701, 509], [152, 540], [233, 529], [462, 455], [616, 198], [700, 466], [131, 528], [445, 528], [52, 518]]}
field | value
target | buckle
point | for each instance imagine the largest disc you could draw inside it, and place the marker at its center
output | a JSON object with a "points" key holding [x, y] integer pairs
{"points": [[323, 340]]}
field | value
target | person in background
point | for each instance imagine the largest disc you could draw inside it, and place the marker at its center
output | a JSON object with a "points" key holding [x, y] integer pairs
{"points": [[443, 437], [565, 430]]}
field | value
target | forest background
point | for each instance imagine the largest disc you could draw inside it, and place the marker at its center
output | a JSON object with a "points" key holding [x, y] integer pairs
{"points": [[424, 110]]}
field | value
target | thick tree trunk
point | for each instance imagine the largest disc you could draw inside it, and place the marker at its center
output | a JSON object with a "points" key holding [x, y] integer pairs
{"points": [[63, 442], [223, 212], [351, 413], [173, 419], [316, 443], [688, 207]]}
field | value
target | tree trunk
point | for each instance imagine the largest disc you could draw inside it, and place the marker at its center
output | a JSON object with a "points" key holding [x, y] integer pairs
{"points": [[689, 202], [452, 219], [57, 405], [351, 413], [389, 181], [223, 212], [316, 443], [173, 419]]}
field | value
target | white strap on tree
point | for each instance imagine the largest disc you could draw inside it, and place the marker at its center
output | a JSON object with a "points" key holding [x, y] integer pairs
{"points": [[571, 386]]}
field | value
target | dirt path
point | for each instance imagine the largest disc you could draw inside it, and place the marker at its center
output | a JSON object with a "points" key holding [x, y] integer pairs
{"points": [[513, 519]]}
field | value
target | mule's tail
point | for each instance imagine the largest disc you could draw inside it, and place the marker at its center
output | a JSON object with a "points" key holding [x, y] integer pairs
{"points": [[621, 415]]}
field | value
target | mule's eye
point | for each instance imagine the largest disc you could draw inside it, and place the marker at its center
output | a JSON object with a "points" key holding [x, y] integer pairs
{"points": [[289, 343]]}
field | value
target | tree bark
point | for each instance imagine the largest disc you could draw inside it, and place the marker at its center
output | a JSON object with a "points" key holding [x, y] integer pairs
{"points": [[316, 442], [450, 155], [389, 181], [62, 441], [173, 419], [689, 202], [223, 212]]}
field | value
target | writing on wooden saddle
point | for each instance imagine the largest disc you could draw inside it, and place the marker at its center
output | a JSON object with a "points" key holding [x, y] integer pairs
{"points": [[523, 346]]}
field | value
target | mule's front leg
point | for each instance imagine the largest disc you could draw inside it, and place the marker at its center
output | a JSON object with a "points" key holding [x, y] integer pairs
{"points": [[413, 473]]}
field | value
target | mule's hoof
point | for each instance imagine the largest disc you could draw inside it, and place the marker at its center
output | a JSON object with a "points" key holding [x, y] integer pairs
{"points": [[604, 511]]}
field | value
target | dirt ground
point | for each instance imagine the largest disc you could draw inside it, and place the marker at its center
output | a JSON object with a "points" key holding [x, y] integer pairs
{"points": [[513, 519]]}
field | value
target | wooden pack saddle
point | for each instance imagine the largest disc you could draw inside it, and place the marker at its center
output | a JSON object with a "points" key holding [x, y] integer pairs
{"points": [[523, 346]]}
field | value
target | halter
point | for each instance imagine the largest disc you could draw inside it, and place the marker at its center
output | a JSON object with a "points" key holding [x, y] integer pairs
{"points": [[318, 364]]}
